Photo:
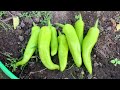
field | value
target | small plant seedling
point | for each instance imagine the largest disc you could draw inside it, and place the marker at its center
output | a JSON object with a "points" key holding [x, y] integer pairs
{"points": [[115, 61], [43, 15], [2, 13]]}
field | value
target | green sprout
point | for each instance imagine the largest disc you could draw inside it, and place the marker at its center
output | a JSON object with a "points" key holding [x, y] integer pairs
{"points": [[115, 61], [2, 13]]}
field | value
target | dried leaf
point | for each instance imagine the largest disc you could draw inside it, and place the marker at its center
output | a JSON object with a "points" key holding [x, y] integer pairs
{"points": [[118, 27], [15, 21]]}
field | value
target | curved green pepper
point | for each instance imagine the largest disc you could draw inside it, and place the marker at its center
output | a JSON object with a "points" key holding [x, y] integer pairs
{"points": [[62, 51], [44, 48], [54, 41], [73, 42], [79, 27], [88, 43], [31, 46]]}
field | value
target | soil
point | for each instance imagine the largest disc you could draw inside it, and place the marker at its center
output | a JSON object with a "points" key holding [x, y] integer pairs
{"points": [[106, 49]]}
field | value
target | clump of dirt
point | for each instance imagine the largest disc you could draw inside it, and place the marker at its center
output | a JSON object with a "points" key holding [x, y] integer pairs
{"points": [[106, 48]]}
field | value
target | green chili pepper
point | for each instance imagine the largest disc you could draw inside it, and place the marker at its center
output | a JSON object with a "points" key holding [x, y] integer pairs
{"points": [[88, 43], [54, 41], [62, 51], [73, 42], [31, 46], [44, 48], [79, 27]]}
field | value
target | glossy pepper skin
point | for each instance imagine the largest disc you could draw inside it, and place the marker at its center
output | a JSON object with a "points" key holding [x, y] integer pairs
{"points": [[44, 48], [31, 46], [79, 27], [88, 43], [54, 41], [73, 42], [62, 51]]}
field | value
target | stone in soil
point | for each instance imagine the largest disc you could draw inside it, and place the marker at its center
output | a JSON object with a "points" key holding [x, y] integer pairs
{"points": [[22, 24], [36, 19], [96, 64], [21, 38], [109, 28], [28, 20], [27, 32], [89, 76]]}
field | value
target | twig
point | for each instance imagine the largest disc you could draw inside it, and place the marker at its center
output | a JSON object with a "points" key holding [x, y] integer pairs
{"points": [[3, 26], [10, 13], [22, 71], [70, 67], [7, 19], [6, 24], [37, 71], [73, 76]]}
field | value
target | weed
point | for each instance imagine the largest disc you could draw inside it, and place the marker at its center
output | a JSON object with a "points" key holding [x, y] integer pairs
{"points": [[2, 13], [115, 61], [30, 14], [10, 59], [43, 15], [2, 22]]}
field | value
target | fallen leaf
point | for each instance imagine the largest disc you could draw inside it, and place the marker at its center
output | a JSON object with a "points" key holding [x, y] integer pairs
{"points": [[118, 27], [15, 21]]}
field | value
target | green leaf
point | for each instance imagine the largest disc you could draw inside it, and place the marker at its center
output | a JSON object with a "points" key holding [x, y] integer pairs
{"points": [[8, 59], [15, 21], [113, 61], [116, 59], [118, 62]]}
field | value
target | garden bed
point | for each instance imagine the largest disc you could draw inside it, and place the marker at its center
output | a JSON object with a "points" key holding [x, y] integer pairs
{"points": [[106, 49]]}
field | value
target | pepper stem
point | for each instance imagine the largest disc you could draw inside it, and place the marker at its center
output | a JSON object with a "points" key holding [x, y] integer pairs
{"points": [[96, 23], [60, 25], [59, 32], [80, 16], [34, 24], [49, 23]]}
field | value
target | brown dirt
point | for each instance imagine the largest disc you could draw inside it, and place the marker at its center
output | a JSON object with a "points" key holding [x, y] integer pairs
{"points": [[107, 48]]}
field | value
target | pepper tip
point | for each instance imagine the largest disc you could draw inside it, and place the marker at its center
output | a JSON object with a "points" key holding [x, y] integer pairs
{"points": [[96, 23], [80, 16]]}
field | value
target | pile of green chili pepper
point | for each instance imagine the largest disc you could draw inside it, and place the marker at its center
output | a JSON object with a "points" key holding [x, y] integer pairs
{"points": [[71, 38]]}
